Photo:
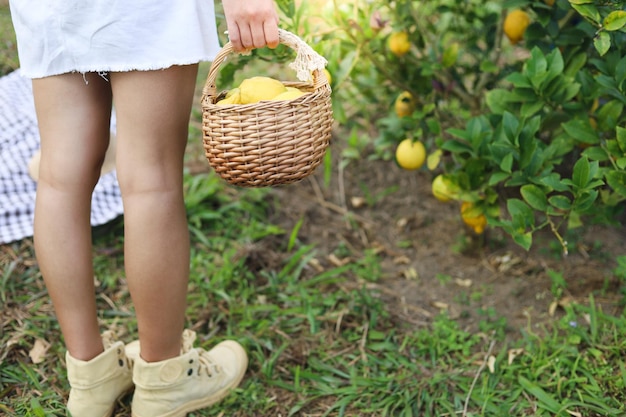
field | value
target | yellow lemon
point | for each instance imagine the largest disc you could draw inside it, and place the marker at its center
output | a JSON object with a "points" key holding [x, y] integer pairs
{"points": [[443, 189], [410, 155], [328, 76], [232, 91], [398, 43], [404, 104], [515, 25], [473, 218], [255, 89], [289, 95], [232, 97]]}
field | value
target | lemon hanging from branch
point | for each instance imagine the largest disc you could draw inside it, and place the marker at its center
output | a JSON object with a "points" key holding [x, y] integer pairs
{"points": [[515, 25], [404, 105], [399, 43], [410, 155], [443, 189], [473, 217]]}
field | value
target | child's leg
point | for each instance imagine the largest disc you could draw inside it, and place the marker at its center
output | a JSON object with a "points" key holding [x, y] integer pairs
{"points": [[153, 109], [74, 122]]}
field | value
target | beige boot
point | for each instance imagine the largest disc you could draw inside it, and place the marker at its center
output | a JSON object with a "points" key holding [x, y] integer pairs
{"points": [[195, 379], [97, 384]]}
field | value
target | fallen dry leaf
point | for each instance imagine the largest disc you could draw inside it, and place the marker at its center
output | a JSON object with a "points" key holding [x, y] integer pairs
{"points": [[401, 260], [411, 273], [440, 305], [552, 309], [38, 353], [491, 364], [336, 261], [514, 353], [357, 202], [465, 283]]}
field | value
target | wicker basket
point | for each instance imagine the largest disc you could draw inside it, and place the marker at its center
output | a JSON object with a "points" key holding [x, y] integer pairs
{"points": [[270, 142]]}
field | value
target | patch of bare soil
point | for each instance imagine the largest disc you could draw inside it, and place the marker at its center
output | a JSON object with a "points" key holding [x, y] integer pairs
{"points": [[428, 261]]}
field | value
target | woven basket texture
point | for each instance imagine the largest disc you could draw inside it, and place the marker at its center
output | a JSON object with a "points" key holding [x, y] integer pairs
{"points": [[268, 143]]}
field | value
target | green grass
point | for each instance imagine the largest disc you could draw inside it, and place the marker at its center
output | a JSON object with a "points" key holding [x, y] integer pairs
{"points": [[321, 340]]}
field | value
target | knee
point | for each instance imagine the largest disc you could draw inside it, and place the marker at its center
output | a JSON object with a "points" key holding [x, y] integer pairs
{"points": [[145, 180], [68, 175]]}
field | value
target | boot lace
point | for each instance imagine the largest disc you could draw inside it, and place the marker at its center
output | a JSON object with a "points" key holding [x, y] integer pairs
{"points": [[108, 339], [207, 364]]}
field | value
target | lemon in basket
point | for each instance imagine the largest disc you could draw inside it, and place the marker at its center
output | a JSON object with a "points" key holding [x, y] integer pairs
{"points": [[255, 89], [290, 94], [232, 97]]}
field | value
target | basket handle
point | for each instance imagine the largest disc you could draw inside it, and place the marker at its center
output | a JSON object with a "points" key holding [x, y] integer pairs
{"points": [[307, 61]]}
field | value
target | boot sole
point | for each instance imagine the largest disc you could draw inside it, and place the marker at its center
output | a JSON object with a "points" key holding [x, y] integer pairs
{"points": [[216, 397]]}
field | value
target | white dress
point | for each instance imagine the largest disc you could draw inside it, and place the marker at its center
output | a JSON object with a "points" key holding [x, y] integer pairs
{"points": [[60, 36]]}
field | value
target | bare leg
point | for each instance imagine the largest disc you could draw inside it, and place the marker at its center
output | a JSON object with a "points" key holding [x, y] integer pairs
{"points": [[153, 109], [74, 122]]}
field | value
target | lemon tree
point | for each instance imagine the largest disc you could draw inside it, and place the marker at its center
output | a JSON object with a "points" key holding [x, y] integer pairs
{"points": [[522, 101]]}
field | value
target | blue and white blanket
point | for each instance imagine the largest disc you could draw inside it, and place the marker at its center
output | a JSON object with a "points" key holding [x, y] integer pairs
{"points": [[19, 140]]}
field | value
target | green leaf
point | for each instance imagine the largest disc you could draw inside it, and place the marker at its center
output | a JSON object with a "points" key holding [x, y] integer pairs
{"points": [[596, 153], [529, 109], [585, 200], [560, 202], [615, 20], [555, 64], [456, 146], [553, 181], [459, 133], [602, 42], [488, 66], [621, 138], [535, 197], [536, 68], [510, 125], [507, 163], [612, 146], [617, 181], [521, 214], [620, 71], [522, 95], [590, 12], [581, 131], [582, 173], [519, 80], [498, 100], [497, 178], [574, 220], [450, 55], [609, 114], [525, 240], [575, 64]]}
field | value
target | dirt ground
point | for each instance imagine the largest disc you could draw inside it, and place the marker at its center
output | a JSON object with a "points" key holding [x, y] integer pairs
{"points": [[427, 261]]}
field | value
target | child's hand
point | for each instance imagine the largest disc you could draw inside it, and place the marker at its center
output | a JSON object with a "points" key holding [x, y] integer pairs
{"points": [[251, 23]]}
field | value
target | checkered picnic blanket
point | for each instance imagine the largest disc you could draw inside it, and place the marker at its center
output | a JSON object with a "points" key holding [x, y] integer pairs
{"points": [[19, 140]]}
